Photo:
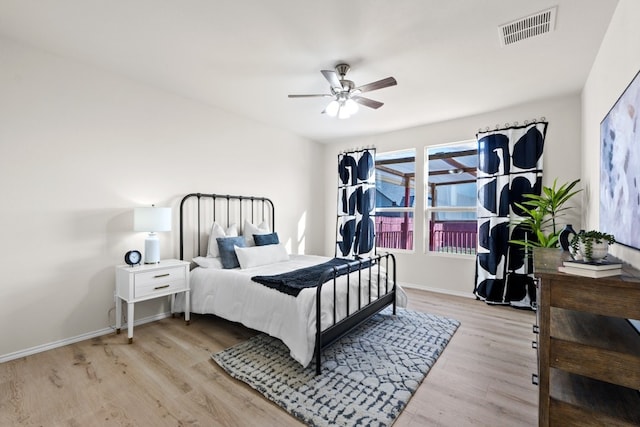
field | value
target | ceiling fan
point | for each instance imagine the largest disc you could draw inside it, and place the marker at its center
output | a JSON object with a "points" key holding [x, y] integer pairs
{"points": [[345, 94]]}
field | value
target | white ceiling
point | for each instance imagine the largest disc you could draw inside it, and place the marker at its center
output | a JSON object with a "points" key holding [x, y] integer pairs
{"points": [[246, 56]]}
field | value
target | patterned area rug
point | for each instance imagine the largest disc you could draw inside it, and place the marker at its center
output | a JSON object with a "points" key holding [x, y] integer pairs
{"points": [[367, 376]]}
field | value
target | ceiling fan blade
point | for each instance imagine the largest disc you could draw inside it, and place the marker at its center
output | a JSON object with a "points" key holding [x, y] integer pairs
{"points": [[380, 84], [333, 79], [368, 102], [315, 95]]}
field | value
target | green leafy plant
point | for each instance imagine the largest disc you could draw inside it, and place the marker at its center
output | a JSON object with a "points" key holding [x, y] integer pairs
{"points": [[588, 239], [542, 212]]}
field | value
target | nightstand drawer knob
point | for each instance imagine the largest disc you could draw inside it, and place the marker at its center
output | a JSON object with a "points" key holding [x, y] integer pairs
{"points": [[536, 329], [161, 275], [161, 287]]}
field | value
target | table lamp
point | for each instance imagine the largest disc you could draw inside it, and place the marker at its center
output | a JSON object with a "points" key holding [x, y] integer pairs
{"points": [[152, 219]]}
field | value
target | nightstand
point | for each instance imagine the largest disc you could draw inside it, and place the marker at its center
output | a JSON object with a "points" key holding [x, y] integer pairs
{"points": [[144, 282]]}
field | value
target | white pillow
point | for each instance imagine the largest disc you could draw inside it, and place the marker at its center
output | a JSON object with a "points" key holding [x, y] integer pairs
{"points": [[255, 256], [249, 230], [208, 262], [218, 231]]}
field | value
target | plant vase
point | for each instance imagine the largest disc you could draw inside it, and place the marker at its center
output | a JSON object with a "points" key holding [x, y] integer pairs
{"points": [[598, 251], [591, 245]]}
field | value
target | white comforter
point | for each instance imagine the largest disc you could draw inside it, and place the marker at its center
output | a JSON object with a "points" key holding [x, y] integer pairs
{"points": [[231, 294]]}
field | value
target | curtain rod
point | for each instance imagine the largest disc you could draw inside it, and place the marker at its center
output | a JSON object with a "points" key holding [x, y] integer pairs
{"points": [[515, 124], [357, 149]]}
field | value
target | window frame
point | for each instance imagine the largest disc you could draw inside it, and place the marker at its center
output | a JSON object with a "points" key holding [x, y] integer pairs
{"points": [[411, 210], [430, 210]]}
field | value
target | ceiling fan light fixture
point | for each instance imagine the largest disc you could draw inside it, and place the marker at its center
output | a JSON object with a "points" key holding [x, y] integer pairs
{"points": [[351, 106], [343, 112], [332, 108]]}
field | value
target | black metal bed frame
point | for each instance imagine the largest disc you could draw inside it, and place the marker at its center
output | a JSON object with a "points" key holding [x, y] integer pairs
{"points": [[365, 309], [242, 202]]}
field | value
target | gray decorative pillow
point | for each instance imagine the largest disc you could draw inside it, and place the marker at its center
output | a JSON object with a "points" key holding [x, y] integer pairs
{"points": [[227, 245]]}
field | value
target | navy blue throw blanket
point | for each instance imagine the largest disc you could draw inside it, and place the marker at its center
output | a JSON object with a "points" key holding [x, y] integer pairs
{"points": [[293, 282]]}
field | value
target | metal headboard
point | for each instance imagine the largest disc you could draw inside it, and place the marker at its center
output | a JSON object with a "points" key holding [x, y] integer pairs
{"points": [[198, 211]]}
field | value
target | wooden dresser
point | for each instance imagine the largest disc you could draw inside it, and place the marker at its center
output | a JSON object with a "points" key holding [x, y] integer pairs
{"points": [[588, 353]]}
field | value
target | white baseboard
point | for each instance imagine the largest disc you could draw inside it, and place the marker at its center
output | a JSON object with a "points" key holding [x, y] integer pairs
{"points": [[438, 290], [61, 343]]}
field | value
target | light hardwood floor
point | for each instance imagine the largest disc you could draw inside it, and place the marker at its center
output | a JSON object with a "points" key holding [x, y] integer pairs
{"points": [[166, 377]]}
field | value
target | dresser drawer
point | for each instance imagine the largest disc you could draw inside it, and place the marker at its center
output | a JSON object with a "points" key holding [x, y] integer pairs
{"points": [[163, 281]]}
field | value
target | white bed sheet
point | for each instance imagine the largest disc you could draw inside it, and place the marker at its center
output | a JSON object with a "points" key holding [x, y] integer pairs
{"points": [[232, 295]]}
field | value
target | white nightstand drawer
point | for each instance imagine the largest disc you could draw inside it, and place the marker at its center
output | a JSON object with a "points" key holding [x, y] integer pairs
{"points": [[160, 287], [155, 276], [162, 281]]}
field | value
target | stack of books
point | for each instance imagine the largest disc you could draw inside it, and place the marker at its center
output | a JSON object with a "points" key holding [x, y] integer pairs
{"points": [[591, 268]]}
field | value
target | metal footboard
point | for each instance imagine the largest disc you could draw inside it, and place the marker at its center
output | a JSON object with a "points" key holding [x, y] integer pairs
{"points": [[365, 309]]}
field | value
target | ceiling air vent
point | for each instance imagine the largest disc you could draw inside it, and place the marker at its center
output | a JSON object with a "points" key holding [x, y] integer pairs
{"points": [[525, 28]]}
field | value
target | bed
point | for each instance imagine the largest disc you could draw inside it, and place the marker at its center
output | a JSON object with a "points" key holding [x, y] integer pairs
{"points": [[235, 295]]}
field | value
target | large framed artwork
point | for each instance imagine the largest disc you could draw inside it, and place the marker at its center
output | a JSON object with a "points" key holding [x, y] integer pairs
{"points": [[620, 167]]}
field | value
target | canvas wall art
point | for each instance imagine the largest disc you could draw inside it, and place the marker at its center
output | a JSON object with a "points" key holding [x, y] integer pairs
{"points": [[620, 168]]}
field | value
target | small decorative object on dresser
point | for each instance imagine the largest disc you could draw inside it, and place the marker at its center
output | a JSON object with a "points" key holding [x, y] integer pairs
{"points": [[591, 245], [133, 258], [565, 237], [135, 284]]}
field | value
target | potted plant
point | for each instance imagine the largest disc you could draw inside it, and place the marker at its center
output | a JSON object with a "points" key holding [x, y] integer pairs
{"points": [[542, 213], [591, 245]]}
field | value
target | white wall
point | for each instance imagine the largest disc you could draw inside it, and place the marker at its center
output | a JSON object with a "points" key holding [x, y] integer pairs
{"points": [[455, 274], [617, 63], [79, 149]]}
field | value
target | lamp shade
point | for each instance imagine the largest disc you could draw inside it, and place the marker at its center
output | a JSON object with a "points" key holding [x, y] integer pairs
{"points": [[332, 108], [152, 219]]}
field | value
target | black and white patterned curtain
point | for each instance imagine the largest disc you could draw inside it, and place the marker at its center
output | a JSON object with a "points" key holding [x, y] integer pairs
{"points": [[509, 165], [356, 204]]}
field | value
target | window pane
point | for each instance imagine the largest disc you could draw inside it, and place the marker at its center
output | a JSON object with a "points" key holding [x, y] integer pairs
{"points": [[395, 179], [451, 183], [453, 216], [451, 178], [463, 194], [394, 230], [395, 188], [452, 235]]}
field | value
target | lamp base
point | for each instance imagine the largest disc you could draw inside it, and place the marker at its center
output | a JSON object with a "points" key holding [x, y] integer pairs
{"points": [[152, 249]]}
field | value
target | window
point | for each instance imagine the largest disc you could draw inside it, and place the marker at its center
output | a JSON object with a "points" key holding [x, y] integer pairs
{"points": [[451, 195], [395, 198]]}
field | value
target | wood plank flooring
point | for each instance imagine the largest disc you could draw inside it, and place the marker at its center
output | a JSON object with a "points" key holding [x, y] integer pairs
{"points": [[166, 377]]}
